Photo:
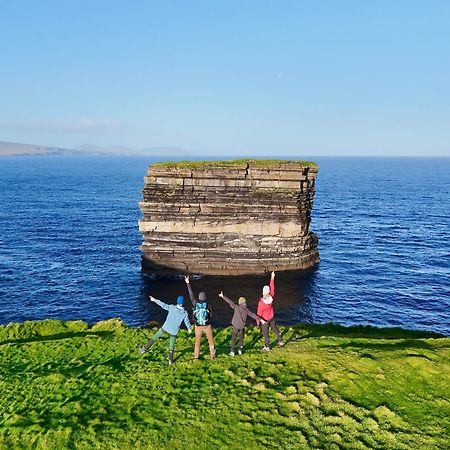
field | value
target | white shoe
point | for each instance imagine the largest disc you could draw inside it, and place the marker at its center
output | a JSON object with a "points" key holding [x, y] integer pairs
{"points": [[240, 351], [266, 349], [231, 353]]}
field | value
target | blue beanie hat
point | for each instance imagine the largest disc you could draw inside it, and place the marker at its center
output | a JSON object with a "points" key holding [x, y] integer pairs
{"points": [[180, 300]]}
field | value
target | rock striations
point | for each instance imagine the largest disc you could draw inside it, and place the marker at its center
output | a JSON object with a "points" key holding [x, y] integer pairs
{"points": [[228, 217]]}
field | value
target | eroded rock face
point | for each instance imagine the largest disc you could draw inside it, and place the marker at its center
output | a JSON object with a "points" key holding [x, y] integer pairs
{"points": [[227, 218]]}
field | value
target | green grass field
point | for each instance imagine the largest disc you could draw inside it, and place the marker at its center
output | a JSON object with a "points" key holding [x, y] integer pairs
{"points": [[67, 385]]}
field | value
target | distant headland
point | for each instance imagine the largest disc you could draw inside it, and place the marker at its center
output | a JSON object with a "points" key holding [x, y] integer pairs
{"points": [[17, 149]]}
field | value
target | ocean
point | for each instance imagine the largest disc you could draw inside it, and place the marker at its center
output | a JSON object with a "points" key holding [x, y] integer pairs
{"points": [[69, 245]]}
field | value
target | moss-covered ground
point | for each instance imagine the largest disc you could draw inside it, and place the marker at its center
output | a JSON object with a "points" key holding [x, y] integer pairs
{"points": [[67, 385], [233, 162]]}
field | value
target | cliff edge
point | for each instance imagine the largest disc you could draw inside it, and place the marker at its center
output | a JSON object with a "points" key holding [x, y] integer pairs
{"points": [[228, 217]]}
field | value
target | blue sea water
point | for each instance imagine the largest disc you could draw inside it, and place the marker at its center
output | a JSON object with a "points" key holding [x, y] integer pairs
{"points": [[69, 245]]}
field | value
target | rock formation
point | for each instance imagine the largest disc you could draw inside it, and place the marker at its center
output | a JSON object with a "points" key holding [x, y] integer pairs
{"points": [[228, 217]]}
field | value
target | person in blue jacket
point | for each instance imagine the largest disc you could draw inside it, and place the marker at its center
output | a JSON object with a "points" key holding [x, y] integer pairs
{"points": [[177, 314]]}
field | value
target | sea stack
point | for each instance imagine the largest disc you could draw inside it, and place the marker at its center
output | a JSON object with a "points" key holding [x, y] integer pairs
{"points": [[228, 217]]}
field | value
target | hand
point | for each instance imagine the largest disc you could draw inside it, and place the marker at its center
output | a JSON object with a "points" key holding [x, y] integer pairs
{"points": [[221, 294], [186, 278], [272, 275], [152, 299], [263, 321], [190, 330]]}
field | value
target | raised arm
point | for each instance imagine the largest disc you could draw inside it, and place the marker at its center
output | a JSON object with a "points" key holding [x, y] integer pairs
{"points": [[159, 303], [191, 292], [231, 303], [272, 284]]}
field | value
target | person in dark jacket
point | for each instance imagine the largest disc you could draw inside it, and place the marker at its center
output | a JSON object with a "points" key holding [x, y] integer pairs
{"points": [[202, 319], [239, 321], [177, 314]]}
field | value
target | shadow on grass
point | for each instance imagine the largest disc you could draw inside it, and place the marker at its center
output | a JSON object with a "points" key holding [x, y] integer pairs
{"points": [[68, 370], [398, 338], [222, 341], [55, 337], [304, 331], [399, 345]]}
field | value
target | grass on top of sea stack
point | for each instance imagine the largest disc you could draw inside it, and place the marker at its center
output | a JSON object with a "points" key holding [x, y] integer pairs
{"points": [[67, 385], [236, 162]]}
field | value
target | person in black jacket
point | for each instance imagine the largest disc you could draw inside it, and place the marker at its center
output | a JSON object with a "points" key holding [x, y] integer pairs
{"points": [[239, 321]]}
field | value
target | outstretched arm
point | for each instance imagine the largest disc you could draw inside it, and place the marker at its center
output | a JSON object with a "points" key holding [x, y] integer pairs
{"points": [[159, 303], [191, 292], [255, 317], [231, 303], [272, 284], [186, 322]]}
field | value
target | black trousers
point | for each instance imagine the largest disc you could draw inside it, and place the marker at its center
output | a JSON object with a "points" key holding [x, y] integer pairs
{"points": [[265, 331], [234, 335]]}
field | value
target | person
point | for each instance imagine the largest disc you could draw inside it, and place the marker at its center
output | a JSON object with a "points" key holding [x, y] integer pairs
{"points": [[202, 320], [265, 310], [239, 321], [177, 314]]}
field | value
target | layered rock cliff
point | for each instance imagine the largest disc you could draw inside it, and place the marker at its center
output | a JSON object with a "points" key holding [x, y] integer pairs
{"points": [[229, 217]]}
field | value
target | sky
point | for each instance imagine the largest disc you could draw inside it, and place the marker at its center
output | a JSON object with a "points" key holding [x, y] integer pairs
{"points": [[230, 78]]}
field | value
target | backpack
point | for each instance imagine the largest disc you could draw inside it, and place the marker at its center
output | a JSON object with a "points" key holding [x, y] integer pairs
{"points": [[201, 313]]}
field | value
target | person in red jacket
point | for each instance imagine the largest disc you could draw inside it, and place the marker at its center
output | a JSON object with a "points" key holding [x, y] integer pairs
{"points": [[265, 311]]}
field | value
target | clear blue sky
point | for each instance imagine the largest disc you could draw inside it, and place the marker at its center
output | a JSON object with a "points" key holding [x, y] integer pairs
{"points": [[291, 78]]}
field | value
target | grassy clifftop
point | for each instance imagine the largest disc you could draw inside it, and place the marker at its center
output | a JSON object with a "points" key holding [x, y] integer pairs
{"points": [[231, 163], [67, 385]]}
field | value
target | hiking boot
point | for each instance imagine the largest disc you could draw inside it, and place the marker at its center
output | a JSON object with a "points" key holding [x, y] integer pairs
{"points": [[213, 353], [170, 357], [231, 353], [240, 351], [281, 344], [266, 349], [143, 349]]}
